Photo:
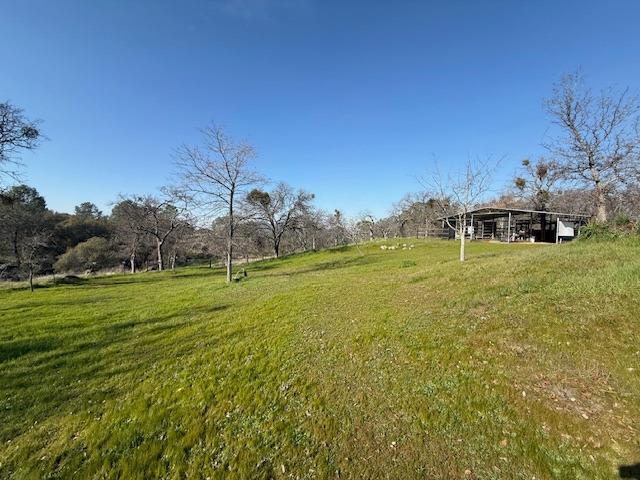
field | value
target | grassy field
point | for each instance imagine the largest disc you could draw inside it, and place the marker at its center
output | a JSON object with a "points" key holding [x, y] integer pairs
{"points": [[351, 363]]}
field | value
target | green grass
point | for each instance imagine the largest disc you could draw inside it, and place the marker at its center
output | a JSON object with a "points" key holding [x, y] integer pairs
{"points": [[353, 363]]}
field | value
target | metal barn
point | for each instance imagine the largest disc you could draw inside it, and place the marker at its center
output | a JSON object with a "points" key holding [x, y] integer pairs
{"points": [[513, 225]]}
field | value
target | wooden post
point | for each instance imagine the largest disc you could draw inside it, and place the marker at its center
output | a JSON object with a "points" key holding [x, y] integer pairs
{"points": [[473, 232], [509, 229], [557, 231]]}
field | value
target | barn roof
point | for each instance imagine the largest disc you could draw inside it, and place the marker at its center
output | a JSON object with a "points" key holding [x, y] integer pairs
{"points": [[499, 210]]}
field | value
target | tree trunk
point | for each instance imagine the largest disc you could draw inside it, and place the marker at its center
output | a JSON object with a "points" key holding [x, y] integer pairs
{"points": [[132, 260], [160, 259], [229, 259], [230, 240], [173, 260], [31, 279], [462, 235], [16, 251], [601, 204]]}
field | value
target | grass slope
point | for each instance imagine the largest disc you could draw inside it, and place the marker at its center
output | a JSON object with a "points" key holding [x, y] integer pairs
{"points": [[520, 363]]}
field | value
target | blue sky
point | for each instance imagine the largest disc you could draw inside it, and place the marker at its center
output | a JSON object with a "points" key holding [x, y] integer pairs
{"points": [[350, 100]]}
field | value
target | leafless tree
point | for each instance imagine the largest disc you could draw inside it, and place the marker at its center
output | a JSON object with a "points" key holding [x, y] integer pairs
{"points": [[367, 221], [387, 227], [460, 193], [308, 228], [573, 200], [415, 212], [338, 228], [279, 210], [162, 217], [537, 184], [217, 176], [204, 245], [508, 199], [599, 143], [16, 133], [31, 251], [180, 243]]}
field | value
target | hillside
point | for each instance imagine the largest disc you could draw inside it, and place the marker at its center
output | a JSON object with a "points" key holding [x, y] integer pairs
{"points": [[349, 363]]}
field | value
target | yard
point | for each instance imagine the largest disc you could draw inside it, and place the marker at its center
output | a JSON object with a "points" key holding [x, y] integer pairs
{"points": [[350, 363]]}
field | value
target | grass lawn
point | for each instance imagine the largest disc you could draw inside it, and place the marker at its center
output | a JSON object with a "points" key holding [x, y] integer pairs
{"points": [[523, 362]]}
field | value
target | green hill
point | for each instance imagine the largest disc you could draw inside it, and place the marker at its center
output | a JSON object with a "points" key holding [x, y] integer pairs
{"points": [[352, 363]]}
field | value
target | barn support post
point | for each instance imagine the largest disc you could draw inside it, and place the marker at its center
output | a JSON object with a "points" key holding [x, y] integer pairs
{"points": [[509, 229]]}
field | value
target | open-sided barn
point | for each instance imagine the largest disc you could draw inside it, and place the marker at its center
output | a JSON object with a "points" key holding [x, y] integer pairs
{"points": [[513, 225]]}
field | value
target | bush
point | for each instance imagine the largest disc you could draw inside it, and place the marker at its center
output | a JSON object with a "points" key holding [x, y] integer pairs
{"points": [[620, 226], [622, 220], [407, 263], [93, 255], [598, 231]]}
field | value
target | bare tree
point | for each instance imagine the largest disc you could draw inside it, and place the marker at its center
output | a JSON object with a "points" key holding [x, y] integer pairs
{"points": [[217, 176], [599, 142], [388, 226], [279, 210], [203, 244], [537, 184], [460, 193], [338, 228], [31, 251], [162, 218], [416, 211], [365, 225], [308, 228], [574, 200], [16, 133]]}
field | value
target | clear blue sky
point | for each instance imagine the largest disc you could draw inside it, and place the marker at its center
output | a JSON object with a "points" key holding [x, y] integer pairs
{"points": [[350, 100]]}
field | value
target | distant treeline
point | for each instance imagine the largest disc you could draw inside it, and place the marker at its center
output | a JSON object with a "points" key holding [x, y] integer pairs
{"points": [[219, 209]]}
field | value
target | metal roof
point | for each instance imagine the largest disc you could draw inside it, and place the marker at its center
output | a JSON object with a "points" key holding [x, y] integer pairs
{"points": [[490, 210]]}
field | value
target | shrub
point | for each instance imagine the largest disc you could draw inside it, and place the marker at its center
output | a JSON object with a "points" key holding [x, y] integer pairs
{"points": [[621, 220], [598, 231], [93, 255], [620, 226]]}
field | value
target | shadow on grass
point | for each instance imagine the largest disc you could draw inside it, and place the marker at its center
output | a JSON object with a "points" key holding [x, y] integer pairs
{"points": [[121, 279], [630, 471], [17, 348], [271, 263], [324, 266], [62, 375], [56, 303], [110, 333]]}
